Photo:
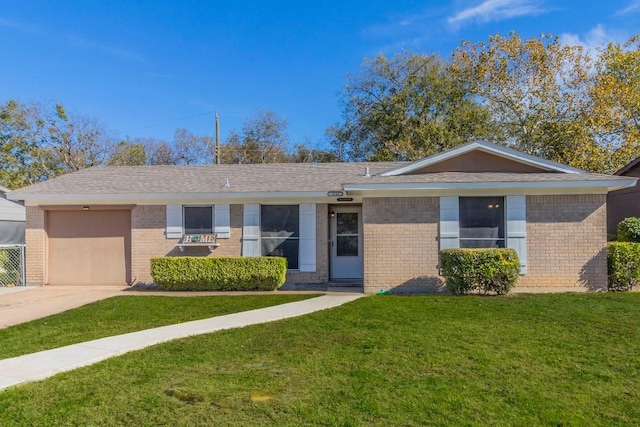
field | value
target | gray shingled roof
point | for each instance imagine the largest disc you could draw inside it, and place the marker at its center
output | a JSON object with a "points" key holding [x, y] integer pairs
{"points": [[287, 177], [478, 177]]}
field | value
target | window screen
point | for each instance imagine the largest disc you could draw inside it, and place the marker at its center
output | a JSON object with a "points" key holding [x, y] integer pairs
{"points": [[198, 219], [280, 232], [481, 222]]}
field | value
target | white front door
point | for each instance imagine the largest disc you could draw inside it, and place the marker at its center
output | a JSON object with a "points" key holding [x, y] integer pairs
{"points": [[346, 242]]}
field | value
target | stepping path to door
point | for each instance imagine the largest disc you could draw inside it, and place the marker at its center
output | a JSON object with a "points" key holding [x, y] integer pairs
{"points": [[44, 364]]}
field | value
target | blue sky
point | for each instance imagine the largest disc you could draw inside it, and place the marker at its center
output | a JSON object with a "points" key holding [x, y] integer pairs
{"points": [[146, 67]]}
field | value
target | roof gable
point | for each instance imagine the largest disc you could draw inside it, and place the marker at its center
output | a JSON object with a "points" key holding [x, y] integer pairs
{"points": [[480, 156], [630, 169]]}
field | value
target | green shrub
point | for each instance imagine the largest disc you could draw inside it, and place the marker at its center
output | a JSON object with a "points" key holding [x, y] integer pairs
{"points": [[219, 274], [629, 230], [487, 270], [623, 265]]}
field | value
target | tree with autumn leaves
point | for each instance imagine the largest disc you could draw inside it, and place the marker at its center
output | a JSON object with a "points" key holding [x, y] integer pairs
{"points": [[616, 101], [537, 95]]}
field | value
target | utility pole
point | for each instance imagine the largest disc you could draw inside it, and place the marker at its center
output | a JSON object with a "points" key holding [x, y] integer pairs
{"points": [[217, 139]]}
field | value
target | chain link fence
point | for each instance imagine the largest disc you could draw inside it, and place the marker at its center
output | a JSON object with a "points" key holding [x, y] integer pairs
{"points": [[12, 271]]}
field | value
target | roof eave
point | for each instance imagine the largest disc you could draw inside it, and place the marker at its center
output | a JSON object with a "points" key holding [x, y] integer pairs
{"points": [[628, 166], [178, 198]]}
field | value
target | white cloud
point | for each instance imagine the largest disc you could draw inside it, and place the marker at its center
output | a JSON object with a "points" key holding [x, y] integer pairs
{"points": [[407, 31], [496, 10], [632, 7], [597, 37], [406, 23]]}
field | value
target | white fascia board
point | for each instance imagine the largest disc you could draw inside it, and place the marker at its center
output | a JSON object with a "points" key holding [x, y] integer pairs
{"points": [[181, 198], [487, 147], [600, 186]]}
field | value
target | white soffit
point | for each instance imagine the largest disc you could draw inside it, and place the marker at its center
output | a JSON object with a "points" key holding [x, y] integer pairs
{"points": [[486, 147]]}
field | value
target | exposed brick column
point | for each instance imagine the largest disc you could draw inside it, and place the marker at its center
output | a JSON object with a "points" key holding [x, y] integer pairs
{"points": [[35, 240]]}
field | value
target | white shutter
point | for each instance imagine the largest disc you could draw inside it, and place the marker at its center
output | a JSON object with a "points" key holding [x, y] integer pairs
{"points": [[174, 222], [251, 230], [517, 228], [222, 221], [307, 254], [449, 229]]}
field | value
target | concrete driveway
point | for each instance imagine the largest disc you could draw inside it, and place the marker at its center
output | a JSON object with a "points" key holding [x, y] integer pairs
{"points": [[22, 304]]}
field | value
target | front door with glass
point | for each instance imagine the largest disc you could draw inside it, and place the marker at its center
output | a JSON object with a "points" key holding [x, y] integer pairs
{"points": [[346, 242]]}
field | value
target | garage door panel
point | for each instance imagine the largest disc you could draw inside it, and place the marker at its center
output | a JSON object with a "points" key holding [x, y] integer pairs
{"points": [[108, 260], [68, 260], [88, 247]]}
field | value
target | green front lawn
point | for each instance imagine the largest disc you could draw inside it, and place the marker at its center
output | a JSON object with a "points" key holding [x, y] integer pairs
{"points": [[571, 359], [123, 314]]}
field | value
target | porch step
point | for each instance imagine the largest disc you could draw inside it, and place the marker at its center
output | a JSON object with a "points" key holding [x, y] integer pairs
{"points": [[347, 283]]}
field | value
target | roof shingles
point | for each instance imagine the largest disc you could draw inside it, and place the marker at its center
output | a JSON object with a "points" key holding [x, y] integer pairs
{"points": [[286, 177]]}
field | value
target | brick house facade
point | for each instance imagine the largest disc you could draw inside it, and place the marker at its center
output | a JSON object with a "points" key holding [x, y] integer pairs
{"points": [[624, 203], [378, 224]]}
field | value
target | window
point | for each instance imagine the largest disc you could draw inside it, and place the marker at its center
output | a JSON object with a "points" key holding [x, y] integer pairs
{"points": [[347, 234], [198, 219], [481, 222], [280, 232]]}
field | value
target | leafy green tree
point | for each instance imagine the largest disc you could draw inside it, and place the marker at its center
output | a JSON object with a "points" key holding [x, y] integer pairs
{"points": [[17, 145], [39, 142], [404, 108], [127, 153]]}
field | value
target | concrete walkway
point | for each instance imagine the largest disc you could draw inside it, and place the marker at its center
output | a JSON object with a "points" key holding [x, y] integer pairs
{"points": [[24, 303], [38, 366]]}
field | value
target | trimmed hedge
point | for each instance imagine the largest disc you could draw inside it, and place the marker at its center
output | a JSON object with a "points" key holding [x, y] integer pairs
{"points": [[486, 270], [623, 265], [629, 230], [219, 274]]}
